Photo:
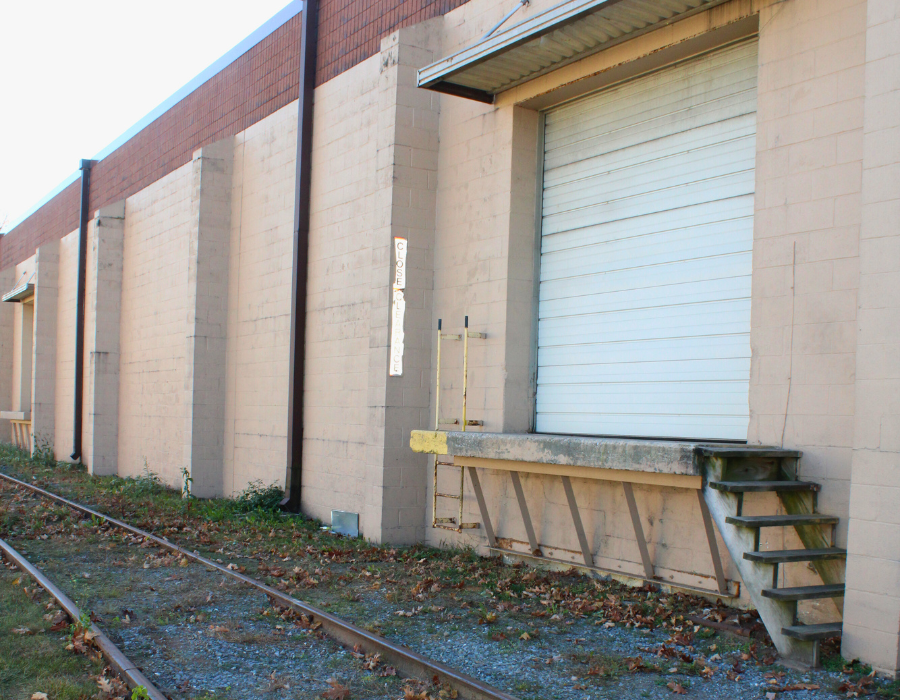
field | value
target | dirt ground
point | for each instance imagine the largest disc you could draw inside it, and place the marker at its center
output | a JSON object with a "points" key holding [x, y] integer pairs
{"points": [[538, 635]]}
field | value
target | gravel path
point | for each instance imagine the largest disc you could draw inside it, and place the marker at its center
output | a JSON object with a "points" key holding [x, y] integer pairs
{"points": [[197, 633]]}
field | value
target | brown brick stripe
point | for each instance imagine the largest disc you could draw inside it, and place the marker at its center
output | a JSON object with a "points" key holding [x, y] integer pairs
{"points": [[258, 83]]}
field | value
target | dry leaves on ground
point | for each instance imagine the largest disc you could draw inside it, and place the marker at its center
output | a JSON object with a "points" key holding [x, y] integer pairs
{"points": [[861, 687], [111, 687], [336, 691], [676, 688]]}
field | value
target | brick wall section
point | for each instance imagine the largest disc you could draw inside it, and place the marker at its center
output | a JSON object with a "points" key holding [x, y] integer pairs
{"points": [[350, 31], [52, 221], [257, 84]]}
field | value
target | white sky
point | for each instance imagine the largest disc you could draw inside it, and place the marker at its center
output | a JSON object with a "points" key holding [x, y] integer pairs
{"points": [[75, 75]]}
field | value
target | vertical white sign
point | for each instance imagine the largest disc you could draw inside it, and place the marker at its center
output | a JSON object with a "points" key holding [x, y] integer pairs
{"points": [[398, 307]]}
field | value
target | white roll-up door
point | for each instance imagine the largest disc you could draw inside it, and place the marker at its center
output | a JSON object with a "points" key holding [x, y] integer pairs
{"points": [[646, 238]]}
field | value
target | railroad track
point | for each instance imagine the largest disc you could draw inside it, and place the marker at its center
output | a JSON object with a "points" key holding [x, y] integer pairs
{"points": [[407, 662]]}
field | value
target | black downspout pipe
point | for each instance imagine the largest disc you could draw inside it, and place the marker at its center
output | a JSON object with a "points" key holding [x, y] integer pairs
{"points": [[309, 30], [77, 421]]}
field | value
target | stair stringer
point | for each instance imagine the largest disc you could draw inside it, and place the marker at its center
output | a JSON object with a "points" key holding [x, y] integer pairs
{"points": [[831, 571], [774, 614]]}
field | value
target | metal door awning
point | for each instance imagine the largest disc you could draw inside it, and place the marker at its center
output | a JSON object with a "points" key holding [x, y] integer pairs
{"points": [[24, 289], [568, 32]]}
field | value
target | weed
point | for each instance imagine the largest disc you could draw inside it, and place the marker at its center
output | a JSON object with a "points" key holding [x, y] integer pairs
{"points": [[258, 497], [43, 451], [187, 483], [890, 690], [82, 624]]}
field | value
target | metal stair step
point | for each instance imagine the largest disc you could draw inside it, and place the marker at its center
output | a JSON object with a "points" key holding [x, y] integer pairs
{"points": [[781, 556], [756, 521], [804, 592], [812, 633], [747, 486]]}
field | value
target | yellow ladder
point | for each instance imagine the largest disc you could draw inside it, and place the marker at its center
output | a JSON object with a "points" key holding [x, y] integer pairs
{"points": [[455, 524]]}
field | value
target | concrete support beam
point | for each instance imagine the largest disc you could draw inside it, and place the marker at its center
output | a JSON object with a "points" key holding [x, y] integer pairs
{"points": [[103, 306], [872, 602], [519, 279], [407, 184], [207, 312], [43, 363]]}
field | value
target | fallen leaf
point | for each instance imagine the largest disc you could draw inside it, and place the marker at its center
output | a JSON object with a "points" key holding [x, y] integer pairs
{"points": [[635, 664], [22, 630], [39, 696], [337, 691], [525, 636], [676, 688]]}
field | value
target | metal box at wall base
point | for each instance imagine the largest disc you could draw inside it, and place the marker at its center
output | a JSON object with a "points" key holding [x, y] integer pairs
{"points": [[344, 523]]}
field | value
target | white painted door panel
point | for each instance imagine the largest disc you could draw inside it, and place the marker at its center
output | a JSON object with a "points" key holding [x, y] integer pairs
{"points": [[646, 238]]}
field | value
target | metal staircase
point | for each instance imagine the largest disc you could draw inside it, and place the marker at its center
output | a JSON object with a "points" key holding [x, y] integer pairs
{"points": [[730, 474]]}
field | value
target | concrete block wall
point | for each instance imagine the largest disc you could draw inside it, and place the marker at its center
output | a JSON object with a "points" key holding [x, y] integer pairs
{"points": [[207, 312], [65, 346], [22, 341], [153, 324], [872, 603], [102, 330], [43, 363], [259, 301], [8, 337], [407, 159], [806, 238], [343, 214]]}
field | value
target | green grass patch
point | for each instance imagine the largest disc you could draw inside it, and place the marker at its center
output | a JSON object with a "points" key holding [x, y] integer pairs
{"points": [[37, 662]]}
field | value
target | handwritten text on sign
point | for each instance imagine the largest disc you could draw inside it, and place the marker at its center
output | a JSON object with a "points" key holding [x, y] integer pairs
{"points": [[398, 307]]}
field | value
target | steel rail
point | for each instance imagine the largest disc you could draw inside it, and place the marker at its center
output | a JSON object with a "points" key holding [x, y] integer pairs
{"points": [[117, 660], [408, 662]]}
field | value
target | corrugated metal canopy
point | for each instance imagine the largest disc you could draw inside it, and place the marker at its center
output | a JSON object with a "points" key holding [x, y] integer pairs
{"points": [[563, 34]]}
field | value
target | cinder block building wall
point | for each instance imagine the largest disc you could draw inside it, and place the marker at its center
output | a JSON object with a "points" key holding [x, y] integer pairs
{"points": [[189, 285]]}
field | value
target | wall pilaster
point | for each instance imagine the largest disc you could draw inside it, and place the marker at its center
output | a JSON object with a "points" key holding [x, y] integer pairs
{"points": [[43, 364], [7, 343], [207, 311], [103, 306], [407, 184], [872, 603]]}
